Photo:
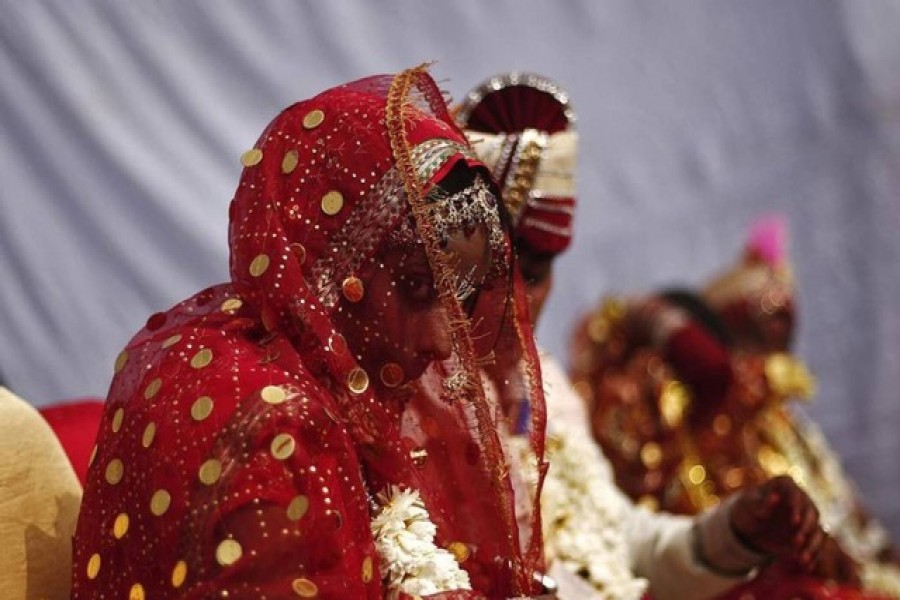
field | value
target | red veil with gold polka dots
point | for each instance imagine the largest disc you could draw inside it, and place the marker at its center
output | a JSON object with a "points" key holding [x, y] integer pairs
{"points": [[267, 437]]}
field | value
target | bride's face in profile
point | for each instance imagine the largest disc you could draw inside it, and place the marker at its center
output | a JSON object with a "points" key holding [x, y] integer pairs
{"points": [[400, 320]]}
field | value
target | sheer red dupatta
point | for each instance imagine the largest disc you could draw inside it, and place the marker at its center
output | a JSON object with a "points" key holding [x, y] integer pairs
{"points": [[269, 443]]}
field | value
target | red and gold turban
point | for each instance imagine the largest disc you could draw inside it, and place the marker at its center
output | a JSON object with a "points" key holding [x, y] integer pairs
{"points": [[523, 127]]}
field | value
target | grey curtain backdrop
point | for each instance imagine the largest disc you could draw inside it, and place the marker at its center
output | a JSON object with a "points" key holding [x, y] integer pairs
{"points": [[122, 123]]}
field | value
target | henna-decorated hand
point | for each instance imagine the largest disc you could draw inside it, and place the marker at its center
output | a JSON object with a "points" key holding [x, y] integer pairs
{"points": [[836, 565], [778, 518]]}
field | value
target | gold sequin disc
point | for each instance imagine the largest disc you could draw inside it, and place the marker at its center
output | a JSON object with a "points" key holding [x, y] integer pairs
{"points": [[152, 388], [121, 360], [179, 574], [391, 375], [289, 162], [651, 455], [305, 588], [114, 471], [118, 416], [228, 552], [299, 252], [273, 394], [201, 408], [120, 525], [171, 341], [202, 358], [368, 569], [358, 381], [259, 265], [332, 203], [251, 157], [149, 434], [459, 550], [232, 305], [297, 508], [313, 119], [697, 474], [282, 446], [93, 566], [210, 471], [136, 592], [337, 343], [353, 289], [159, 502]]}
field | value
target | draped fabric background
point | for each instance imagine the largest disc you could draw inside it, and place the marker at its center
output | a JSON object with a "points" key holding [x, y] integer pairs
{"points": [[122, 123]]}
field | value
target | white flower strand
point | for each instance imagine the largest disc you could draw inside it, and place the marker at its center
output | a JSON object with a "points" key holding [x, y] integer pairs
{"points": [[582, 517], [409, 559]]}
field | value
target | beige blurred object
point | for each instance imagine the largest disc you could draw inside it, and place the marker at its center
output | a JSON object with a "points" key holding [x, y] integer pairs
{"points": [[39, 500]]}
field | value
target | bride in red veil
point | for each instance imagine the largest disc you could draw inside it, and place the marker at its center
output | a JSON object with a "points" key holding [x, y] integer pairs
{"points": [[318, 427]]}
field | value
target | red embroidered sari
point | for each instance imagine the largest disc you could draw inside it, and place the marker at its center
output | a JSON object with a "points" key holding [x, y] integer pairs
{"points": [[252, 430], [684, 423]]}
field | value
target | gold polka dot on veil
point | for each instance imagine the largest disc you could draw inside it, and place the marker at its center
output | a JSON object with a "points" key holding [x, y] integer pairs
{"points": [[273, 394], [305, 588], [313, 119], [202, 358], [332, 203], [353, 289], [118, 416], [201, 408], [152, 388], [159, 502], [259, 265], [282, 446], [358, 381], [121, 360], [228, 552], [114, 471], [251, 157], [136, 592], [289, 162], [120, 525], [179, 574]]}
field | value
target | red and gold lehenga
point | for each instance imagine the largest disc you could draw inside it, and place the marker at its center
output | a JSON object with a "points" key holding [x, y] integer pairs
{"points": [[253, 446], [689, 398]]}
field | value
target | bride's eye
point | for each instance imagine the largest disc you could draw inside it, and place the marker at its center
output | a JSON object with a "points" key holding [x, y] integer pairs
{"points": [[420, 288]]}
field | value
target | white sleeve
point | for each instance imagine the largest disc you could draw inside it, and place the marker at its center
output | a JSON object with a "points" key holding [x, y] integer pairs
{"points": [[663, 549]]}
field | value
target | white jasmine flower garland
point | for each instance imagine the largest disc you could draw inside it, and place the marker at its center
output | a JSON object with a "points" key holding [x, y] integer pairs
{"points": [[409, 559], [582, 517]]}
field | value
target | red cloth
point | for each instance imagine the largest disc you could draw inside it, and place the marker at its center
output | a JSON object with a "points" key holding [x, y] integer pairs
{"points": [[775, 583], [547, 226], [76, 423], [244, 446], [704, 365]]}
